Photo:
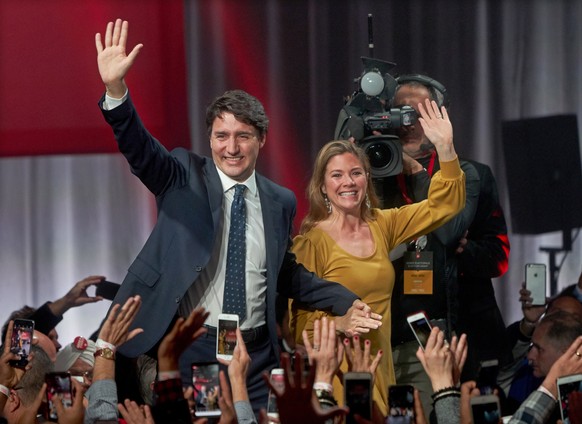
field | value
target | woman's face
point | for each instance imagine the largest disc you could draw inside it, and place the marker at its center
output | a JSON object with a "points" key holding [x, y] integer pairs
{"points": [[345, 183]]}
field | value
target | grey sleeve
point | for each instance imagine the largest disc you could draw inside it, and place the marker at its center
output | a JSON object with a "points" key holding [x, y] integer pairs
{"points": [[102, 397], [244, 412], [448, 410]]}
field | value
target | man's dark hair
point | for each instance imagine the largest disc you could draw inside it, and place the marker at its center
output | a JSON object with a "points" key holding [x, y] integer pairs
{"points": [[562, 328], [33, 379], [243, 106], [23, 313]]}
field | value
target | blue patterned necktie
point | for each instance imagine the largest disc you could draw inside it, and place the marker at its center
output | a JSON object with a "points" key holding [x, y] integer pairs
{"points": [[234, 301]]}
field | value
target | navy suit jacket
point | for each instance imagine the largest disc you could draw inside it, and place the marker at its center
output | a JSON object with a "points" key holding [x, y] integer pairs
{"points": [[189, 199]]}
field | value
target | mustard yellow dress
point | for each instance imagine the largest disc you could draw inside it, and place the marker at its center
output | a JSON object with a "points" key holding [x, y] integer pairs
{"points": [[372, 278]]}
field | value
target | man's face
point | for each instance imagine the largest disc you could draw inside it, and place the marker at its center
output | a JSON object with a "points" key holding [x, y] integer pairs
{"points": [[542, 354], [412, 137], [235, 146]]}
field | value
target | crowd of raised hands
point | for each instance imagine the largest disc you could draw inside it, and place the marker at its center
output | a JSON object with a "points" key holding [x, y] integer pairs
{"points": [[305, 396]]}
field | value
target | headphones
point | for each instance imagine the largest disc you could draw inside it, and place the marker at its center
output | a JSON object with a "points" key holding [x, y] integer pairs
{"points": [[438, 92]]}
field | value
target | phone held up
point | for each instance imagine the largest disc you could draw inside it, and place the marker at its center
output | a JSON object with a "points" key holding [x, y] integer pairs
{"points": [[487, 377], [21, 341], [358, 395], [570, 385], [420, 326], [278, 381], [485, 409], [535, 282], [226, 336], [58, 383], [206, 385], [400, 404], [107, 289]]}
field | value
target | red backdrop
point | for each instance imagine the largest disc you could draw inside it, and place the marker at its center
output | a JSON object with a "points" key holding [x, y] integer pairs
{"points": [[50, 85]]}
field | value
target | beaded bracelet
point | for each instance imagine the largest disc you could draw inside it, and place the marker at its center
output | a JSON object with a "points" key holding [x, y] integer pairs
{"points": [[325, 398], [446, 392]]}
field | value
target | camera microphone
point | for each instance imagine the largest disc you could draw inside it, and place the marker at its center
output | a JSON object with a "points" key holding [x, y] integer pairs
{"points": [[370, 35]]}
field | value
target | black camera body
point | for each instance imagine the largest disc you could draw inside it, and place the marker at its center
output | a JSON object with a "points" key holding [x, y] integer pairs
{"points": [[386, 122], [367, 118], [374, 131]]}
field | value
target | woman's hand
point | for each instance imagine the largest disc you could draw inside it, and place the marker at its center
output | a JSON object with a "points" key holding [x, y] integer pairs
{"points": [[437, 128], [437, 360], [359, 360], [326, 352], [359, 319]]}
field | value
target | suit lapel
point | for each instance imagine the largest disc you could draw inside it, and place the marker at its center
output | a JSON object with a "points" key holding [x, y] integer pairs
{"points": [[271, 209], [215, 192]]}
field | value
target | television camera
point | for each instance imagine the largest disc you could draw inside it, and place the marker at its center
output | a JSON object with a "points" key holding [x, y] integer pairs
{"points": [[367, 118]]}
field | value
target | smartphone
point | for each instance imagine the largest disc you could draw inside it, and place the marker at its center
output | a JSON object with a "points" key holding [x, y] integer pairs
{"points": [[58, 383], [358, 395], [535, 282], [400, 404], [206, 385], [485, 409], [226, 336], [278, 380], [107, 289], [420, 327], [566, 386], [21, 341], [487, 377]]}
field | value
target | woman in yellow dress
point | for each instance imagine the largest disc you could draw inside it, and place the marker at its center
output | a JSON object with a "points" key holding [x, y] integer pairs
{"points": [[345, 238]]}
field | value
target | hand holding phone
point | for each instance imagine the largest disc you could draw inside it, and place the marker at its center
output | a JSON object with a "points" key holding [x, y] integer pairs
{"points": [[21, 341], [206, 385], [400, 404], [535, 282], [358, 395], [566, 386], [278, 381], [107, 289], [58, 383], [420, 326], [226, 336], [485, 409], [487, 377]]}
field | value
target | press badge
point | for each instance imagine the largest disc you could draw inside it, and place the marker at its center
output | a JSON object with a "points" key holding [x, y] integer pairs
{"points": [[418, 270]]}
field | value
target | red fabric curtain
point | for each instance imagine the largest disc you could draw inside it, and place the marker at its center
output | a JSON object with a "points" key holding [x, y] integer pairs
{"points": [[50, 85]]}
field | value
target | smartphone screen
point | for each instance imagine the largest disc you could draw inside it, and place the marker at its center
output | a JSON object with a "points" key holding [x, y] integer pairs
{"points": [[420, 327], [485, 409], [226, 335], [535, 282], [206, 385], [21, 341], [358, 395], [58, 383], [278, 380], [400, 404], [487, 378], [566, 386]]}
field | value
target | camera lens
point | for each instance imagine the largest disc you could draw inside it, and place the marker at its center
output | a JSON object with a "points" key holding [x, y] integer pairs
{"points": [[380, 155]]}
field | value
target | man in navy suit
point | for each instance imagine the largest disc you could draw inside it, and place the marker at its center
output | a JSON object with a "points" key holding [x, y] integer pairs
{"points": [[183, 264]]}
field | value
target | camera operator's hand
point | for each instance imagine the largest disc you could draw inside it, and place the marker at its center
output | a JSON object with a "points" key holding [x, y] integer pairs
{"points": [[409, 165], [438, 129]]}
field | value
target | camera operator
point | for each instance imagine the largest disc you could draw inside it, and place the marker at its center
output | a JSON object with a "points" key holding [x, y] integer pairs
{"points": [[450, 296]]}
